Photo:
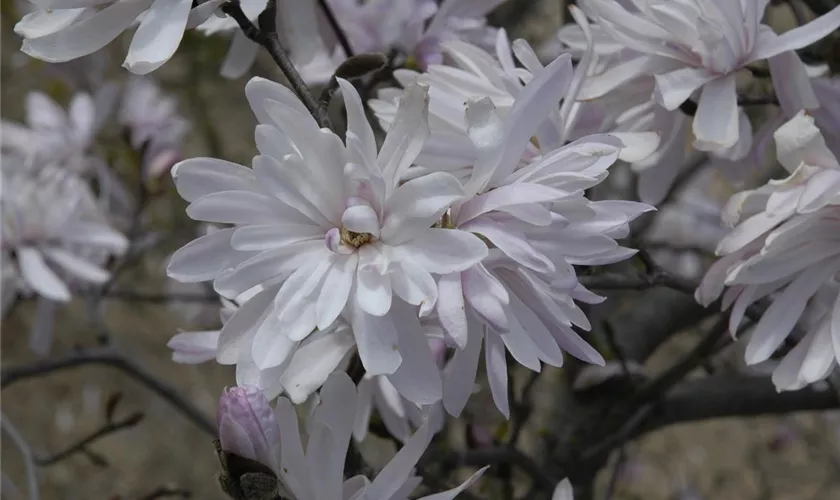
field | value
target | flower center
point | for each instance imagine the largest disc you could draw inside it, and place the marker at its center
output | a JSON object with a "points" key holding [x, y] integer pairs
{"points": [[355, 239]]}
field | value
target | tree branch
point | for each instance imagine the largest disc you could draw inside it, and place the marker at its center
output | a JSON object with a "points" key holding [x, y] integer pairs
{"points": [[735, 395], [110, 427], [339, 33], [109, 357], [266, 36]]}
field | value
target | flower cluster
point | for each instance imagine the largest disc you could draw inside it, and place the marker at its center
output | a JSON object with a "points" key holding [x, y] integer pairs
{"points": [[64, 207], [452, 218]]}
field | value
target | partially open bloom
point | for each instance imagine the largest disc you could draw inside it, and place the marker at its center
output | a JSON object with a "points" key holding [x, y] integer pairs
{"points": [[785, 246], [249, 427], [327, 230], [63, 30], [696, 47]]}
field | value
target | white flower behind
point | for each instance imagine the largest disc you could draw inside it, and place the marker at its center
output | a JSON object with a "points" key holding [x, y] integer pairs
{"points": [[54, 232], [696, 47], [786, 246]]}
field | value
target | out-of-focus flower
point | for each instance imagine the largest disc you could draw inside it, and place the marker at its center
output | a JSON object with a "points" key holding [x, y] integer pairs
{"points": [[55, 241], [329, 229], [52, 135], [154, 126], [64, 30], [317, 471], [416, 28], [55, 233], [785, 246], [698, 46], [690, 226]]}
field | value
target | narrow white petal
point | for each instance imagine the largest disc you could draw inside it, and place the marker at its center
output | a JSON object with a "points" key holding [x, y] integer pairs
{"points": [[40, 277]]}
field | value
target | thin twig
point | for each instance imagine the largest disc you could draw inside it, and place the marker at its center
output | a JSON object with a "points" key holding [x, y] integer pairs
{"points": [[336, 27], [266, 36], [620, 460], [165, 492], [109, 357], [156, 298], [109, 428], [615, 281], [686, 364], [26, 453]]}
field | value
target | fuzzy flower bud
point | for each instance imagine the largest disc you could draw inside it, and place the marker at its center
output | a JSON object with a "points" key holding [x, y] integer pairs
{"points": [[247, 425]]}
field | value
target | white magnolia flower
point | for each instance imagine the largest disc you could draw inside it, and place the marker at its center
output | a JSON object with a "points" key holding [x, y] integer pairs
{"points": [[416, 28], [696, 47], [52, 135], [250, 428], [62, 30], [328, 231], [526, 201], [785, 246], [54, 232]]}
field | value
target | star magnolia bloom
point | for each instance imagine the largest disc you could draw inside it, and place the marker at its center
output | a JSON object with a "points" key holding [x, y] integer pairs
{"points": [[249, 427], [51, 134], [700, 44], [785, 246], [329, 229], [55, 233], [67, 29], [529, 205]]}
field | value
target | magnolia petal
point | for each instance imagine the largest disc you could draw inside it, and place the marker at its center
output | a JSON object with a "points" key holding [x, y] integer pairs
{"points": [[40, 277]]}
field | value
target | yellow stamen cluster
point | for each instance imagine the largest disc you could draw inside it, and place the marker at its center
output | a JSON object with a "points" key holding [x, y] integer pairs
{"points": [[355, 239]]}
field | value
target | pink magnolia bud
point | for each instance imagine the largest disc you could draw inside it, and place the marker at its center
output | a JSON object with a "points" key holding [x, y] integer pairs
{"points": [[247, 426]]}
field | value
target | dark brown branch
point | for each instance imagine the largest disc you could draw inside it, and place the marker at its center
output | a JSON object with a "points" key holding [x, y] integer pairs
{"points": [[336, 27], [107, 356], [266, 36], [166, 492], [109, 428], [615, 281], [736, 395]]}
